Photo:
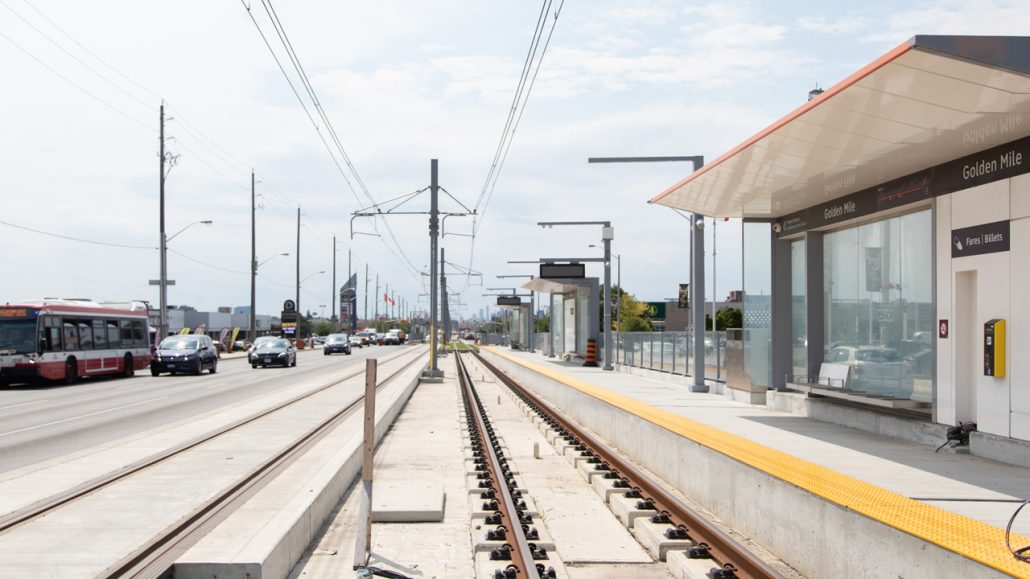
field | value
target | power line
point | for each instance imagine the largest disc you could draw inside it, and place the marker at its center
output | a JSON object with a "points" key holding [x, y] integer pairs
{"points": [[204, 263], [78, 239], [83, 90]]}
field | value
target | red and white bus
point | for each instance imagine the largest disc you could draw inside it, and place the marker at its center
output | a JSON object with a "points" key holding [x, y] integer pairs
{"points": [[56, 339]]}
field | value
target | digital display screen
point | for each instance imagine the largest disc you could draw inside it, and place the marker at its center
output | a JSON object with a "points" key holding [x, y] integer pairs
{"points": [[17, 313]]}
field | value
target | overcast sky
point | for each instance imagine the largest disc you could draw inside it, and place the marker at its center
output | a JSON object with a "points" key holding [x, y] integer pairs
{"points": [[401, 83]]}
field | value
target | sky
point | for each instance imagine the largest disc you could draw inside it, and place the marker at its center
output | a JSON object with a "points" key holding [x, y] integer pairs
{"points": [[400, 83]]}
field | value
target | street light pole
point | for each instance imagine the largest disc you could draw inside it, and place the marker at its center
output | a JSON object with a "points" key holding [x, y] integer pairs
{"points": [[697, 269]]}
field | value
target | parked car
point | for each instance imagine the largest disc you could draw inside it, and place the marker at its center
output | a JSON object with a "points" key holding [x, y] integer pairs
{"points": [[257, 342], [356, 341], [336, 344], [277, 352], [875, 370], [182, 354]]}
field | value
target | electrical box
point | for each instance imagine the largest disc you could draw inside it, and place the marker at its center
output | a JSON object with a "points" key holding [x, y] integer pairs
{"points": [[994, 348]]}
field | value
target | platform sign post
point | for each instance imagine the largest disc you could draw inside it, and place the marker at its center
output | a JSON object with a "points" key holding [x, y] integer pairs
{"points": [[363, 546]]}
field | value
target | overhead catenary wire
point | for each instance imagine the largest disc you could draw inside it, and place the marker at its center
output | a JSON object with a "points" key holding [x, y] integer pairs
{"points": [[514, 118], [396, 249]]}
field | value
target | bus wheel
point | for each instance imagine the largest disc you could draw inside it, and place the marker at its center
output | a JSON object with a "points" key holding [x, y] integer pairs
{"points": [[130, 369], [71, 371]]}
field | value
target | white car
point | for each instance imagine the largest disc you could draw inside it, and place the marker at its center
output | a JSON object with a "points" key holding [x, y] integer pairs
{"points": [[356, 341]]}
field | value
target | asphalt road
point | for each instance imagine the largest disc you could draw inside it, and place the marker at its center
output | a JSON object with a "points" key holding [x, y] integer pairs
{"points": [[43, 422]]}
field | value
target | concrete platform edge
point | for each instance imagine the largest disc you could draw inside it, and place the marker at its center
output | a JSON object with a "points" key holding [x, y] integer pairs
{"points": [[780, 516]]}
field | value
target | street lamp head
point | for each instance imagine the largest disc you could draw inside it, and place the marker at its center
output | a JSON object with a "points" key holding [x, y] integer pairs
{"points": [[207, 221]]}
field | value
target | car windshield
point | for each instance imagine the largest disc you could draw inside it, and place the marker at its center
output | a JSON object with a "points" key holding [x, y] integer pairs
{"points": [[179, 344], [336, 338], [273, 344]]}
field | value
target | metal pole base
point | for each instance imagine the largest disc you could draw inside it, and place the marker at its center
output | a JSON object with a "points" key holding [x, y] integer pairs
{"points": [[699, 388], [431, 376]]}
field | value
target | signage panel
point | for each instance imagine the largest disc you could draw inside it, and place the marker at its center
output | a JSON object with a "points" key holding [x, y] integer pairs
{"points": [[980, 239], [509, 301], [562, 270]]}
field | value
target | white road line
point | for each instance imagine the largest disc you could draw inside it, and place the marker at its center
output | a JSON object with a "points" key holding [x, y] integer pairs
{"points": [[22, 404], [63, 420]]}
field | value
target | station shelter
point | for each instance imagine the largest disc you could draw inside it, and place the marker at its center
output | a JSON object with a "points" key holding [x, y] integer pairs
{"points": [[520, 321], [886, 235], [575, 313]]}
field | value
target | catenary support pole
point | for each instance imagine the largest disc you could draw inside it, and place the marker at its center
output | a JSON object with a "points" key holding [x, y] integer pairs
{"points": [[162, 290]]}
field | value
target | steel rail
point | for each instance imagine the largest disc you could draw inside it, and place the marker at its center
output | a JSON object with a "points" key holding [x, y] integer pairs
{"points": [[521, 554], [153, 559], [41, 507], [722, 547]]}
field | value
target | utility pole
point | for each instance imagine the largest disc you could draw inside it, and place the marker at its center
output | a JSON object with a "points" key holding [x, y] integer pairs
{"points": [[336, 328], [366, 293], [386, 302], [445, 317], [299, 311], [162, 330], [376, 315], [352, 298], [253, 262]]}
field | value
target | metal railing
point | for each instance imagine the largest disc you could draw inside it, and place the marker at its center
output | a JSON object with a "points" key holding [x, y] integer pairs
{"points": [[671, 352]]}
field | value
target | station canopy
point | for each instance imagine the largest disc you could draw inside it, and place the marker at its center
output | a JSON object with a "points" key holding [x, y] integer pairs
{"points": [[928, 101]]}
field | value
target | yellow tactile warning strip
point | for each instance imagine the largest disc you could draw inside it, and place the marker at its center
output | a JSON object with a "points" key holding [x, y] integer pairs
{"points": [[967, 537]]}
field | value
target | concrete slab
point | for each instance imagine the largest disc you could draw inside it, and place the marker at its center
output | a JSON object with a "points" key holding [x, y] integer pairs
{"points": [[411, 502], [605, 487], [684, 568], [652, 537], [626, 509]]}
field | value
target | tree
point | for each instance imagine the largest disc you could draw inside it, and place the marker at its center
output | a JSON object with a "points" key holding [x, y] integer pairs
{"points": [[729, 318], [633, 318], [324, 328], [542, 324]]}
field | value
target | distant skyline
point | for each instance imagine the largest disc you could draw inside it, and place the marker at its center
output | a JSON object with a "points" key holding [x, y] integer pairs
{"points": [[401, 83]]}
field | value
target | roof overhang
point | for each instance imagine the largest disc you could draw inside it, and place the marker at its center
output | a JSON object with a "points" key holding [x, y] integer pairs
{"points": [[558, 285], [928, 101]]}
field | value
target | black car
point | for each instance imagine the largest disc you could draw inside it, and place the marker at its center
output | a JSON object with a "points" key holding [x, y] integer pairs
{"points": [[184, 354], [278, 352], [336, 344]]}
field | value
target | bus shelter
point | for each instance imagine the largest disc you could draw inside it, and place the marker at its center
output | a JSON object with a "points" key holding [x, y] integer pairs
{"points": [[575, 313], [520, 321]]}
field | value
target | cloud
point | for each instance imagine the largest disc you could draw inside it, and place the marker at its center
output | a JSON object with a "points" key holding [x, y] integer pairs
{"points": [[837, 27], [968, 17]]}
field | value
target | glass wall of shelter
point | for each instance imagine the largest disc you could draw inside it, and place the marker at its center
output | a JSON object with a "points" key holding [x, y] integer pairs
{"points": [[876, 309]]}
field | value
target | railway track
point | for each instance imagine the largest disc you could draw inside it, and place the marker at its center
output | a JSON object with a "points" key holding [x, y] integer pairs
{"points": [[154, 557], [683, 525], [499, 491]]}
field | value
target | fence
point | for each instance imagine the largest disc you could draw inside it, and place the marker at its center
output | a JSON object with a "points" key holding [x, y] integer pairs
{"points": [[671, 352]]}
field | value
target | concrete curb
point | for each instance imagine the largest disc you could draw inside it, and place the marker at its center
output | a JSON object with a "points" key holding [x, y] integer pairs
{"points": [[266, 537]]}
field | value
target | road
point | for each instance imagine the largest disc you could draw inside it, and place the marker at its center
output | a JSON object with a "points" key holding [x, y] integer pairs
{"points": [[43, 422]]}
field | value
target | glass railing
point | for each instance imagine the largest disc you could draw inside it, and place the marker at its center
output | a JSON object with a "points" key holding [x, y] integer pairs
{"points": [[671, 352]]}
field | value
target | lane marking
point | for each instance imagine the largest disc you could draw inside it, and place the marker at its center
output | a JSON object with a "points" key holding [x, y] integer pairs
{"points": [[63, 420], [22, 404]]}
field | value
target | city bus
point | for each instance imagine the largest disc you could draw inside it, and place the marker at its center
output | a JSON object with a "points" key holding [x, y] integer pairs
{"points": [[66, 340]]}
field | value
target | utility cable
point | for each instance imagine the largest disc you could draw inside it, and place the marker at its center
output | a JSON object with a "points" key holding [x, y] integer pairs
{"points": [[1022, 553], [79, 239]]}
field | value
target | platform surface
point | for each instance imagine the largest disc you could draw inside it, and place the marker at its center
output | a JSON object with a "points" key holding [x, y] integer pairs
{"points": [[962, 502]]}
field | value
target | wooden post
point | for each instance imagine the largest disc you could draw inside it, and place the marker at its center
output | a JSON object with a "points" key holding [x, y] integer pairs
{"points": [[363, 547]]}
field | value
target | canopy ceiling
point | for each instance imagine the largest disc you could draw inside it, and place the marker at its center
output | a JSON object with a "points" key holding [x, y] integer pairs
{"points": [[928, 101]]}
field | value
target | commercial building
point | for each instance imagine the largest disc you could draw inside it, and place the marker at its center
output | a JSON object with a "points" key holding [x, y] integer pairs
{"points": [[887, 235]]}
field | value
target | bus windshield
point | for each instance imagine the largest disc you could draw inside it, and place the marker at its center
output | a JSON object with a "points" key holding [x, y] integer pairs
{"points": [[17, 332]]}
